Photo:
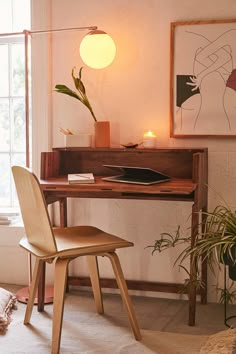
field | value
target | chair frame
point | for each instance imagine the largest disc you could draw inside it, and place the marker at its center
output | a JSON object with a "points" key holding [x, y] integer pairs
{"points": [[62, 256]]}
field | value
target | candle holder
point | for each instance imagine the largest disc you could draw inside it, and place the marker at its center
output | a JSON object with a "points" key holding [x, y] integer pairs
{"points": [[149, 140]]}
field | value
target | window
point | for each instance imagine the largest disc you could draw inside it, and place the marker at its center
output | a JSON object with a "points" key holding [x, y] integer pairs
{"points": [[14, 17]]}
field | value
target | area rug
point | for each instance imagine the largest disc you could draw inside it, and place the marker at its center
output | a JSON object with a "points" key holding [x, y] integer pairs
{"points": [[7, 305], [87, 332], [223, 342]]}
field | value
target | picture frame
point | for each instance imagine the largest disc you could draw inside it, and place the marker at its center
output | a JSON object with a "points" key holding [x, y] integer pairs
{"points": [[203, 79]]}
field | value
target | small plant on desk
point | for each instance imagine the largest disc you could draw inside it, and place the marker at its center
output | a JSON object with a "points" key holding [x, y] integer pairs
{"points": [[214, 243], [80, 95]]}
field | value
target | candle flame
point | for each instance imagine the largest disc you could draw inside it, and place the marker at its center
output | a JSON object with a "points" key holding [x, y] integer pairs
{"points": [[149, 133]]}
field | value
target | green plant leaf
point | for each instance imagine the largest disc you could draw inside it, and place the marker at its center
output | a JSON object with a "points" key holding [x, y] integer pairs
{"points": [[215, 238], [67, 91], [78, 82]]}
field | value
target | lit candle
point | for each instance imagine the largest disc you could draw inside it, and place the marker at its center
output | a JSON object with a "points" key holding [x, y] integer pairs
{"points": [[149, 139]]}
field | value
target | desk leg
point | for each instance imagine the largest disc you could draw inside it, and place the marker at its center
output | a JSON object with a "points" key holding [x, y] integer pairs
{"points": [[41, 288], [192, 288], [204, 266], [63, 212], [63, 223]]}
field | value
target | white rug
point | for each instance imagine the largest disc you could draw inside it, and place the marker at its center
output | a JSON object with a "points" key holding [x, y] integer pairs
{"points": [[87, 332]]}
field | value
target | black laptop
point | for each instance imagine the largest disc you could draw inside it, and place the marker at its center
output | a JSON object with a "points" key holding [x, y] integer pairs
{"points": [[136, 175]]}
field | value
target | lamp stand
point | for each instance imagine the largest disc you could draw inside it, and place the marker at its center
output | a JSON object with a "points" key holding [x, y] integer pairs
{"points": [[22, 295]]}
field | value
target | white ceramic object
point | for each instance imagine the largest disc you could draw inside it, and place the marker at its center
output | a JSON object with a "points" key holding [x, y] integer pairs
{"points": [[149, 139], [78, 140], [149, 142]]}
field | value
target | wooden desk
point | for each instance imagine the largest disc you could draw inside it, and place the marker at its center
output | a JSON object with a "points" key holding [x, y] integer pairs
{"points": [[186, 166]]}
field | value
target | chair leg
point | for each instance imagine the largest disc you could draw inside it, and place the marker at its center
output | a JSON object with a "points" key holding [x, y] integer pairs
{"points": [[41, 288], [124, 293], [94, 277], [60, 277], [33, 289]]}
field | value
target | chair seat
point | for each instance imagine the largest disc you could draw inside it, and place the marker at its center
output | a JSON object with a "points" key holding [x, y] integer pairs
{"points": [[78, 240]]}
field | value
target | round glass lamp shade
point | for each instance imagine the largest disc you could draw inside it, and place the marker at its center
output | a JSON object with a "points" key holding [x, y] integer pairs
{"points": [[97, 49]]}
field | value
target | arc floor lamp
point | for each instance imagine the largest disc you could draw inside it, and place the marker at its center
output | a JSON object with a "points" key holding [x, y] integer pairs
{"points": [[97, 50]]}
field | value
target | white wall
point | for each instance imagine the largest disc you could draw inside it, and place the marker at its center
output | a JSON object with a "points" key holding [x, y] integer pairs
{"points": [[133, 94], [13, 259]]}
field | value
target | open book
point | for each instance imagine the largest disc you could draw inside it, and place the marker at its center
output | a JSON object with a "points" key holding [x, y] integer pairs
{"points": [[81, 178]]}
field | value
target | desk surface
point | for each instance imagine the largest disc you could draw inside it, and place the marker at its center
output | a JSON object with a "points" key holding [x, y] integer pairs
{"points": [[103, 189]]}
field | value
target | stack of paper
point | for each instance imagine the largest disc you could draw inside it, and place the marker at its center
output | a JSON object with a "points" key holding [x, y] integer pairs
{"points": [[81, 178]]}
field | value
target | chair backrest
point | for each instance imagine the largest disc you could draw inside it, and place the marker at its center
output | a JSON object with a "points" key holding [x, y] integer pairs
{"points": [[34, 211]]}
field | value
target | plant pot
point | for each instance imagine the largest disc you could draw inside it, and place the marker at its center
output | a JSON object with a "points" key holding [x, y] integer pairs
{"points": [[227, 259], [232, 272], [102, 134], [231, 262]]}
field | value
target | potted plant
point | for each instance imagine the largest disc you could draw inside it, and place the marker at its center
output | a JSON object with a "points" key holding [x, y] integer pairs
{"points": [[215, 244], [102, 128]]}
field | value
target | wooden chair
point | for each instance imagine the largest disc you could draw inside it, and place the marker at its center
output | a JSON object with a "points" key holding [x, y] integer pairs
{"points": [[61, 245]]}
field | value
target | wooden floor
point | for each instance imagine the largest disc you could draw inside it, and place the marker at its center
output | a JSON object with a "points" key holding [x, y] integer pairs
{"points": [[157, 313]]}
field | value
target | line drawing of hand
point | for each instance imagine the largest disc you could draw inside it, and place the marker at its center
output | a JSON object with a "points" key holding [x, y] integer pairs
{"points": [[195, 82]]}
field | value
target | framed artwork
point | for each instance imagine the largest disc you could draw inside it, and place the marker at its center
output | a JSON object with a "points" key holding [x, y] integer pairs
{"points": [[203, 79]]}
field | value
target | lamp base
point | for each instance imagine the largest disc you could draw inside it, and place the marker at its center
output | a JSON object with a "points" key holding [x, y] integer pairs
{"points": [[22, 295]]}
